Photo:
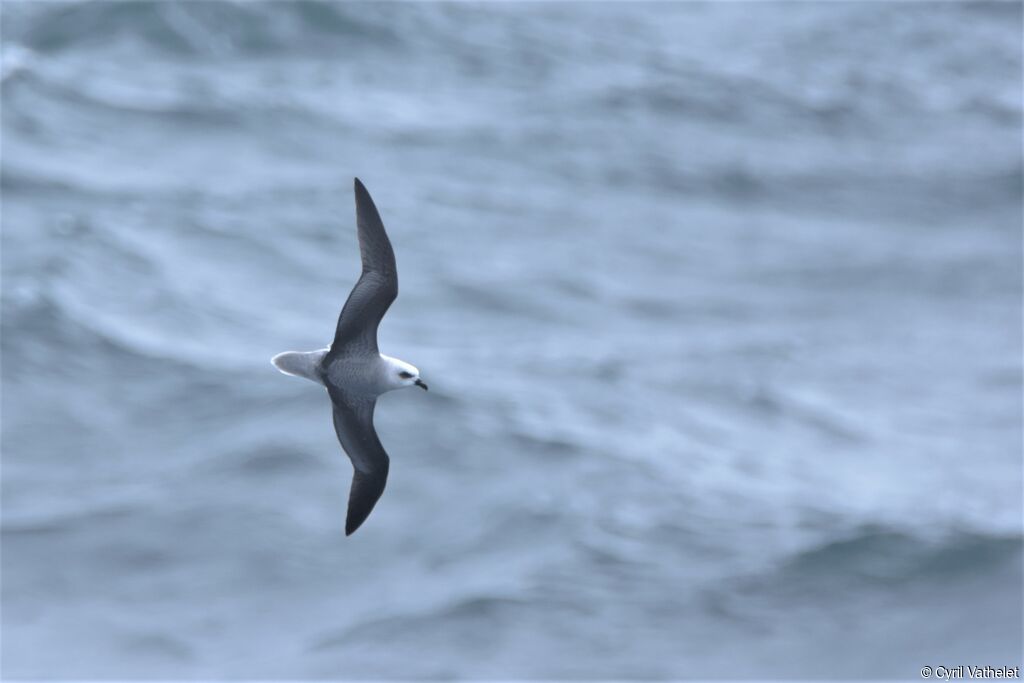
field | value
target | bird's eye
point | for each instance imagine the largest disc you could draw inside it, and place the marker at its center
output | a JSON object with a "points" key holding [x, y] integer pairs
{"points": [[405, 375]]}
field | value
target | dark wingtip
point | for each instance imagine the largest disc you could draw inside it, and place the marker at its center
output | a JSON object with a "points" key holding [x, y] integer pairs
{"points": [[363, 198], [355, 518]]}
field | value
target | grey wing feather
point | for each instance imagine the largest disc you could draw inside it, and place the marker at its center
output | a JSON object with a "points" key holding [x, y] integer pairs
{"points": [[377, 286], [353, 423]]}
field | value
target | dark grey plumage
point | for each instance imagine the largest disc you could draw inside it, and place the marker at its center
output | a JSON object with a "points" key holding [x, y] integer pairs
{"points": [[353, 423], [377, 287]]}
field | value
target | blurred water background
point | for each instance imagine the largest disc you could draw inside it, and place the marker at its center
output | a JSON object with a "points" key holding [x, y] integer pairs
{"points": [[719, 304]]}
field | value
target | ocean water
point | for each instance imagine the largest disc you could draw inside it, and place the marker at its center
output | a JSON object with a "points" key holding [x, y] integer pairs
{"points": [[719, 304]]}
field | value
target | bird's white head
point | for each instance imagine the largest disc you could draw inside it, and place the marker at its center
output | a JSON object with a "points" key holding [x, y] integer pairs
{"points": [[401, 374]]}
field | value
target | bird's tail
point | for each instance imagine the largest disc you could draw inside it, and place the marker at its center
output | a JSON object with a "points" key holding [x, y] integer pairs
{"points": [[300, 363]]}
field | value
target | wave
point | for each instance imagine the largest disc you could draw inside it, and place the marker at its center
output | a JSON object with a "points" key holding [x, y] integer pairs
{"points": [[16, 180], [38, 327], [207, 28], [68, 520], [267, 460], [885, 556], [97, 98]]}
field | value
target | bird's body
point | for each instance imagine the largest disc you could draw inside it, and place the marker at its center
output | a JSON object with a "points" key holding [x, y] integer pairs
{"points": [[352, 370]]}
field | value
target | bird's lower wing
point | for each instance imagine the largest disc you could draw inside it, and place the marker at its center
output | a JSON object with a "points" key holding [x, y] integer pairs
{"points": [[353, 423]]}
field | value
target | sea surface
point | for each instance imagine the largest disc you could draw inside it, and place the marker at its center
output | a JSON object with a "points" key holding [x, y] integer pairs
{"points": [[719, 305]]}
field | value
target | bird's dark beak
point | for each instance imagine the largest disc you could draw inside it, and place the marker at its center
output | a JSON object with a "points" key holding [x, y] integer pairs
{"points": [[421, 384]]}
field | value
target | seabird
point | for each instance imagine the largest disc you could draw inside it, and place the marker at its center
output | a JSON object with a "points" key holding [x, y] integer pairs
{"points": [[354, 372]]}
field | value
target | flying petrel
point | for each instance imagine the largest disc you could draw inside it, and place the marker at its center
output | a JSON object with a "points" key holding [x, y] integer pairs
{"points": [[353, 370]]}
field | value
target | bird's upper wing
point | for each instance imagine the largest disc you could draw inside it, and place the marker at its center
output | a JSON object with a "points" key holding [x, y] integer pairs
{"points": [[353, 422], [377, 286]]}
